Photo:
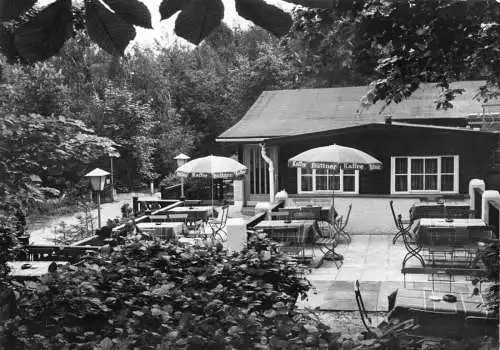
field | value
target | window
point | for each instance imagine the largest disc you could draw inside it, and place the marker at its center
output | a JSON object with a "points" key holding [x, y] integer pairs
{"points": [[324, 180], [424, 174]]}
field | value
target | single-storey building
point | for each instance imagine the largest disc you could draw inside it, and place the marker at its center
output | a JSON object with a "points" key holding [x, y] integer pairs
{"points": [[424, 151]]}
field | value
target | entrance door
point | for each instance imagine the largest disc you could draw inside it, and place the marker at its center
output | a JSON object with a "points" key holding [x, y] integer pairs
{"points": [[257, 181]]}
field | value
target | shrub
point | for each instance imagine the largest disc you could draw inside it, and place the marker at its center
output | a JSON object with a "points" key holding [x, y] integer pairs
{"points": [[153, 293], [157, 295]]}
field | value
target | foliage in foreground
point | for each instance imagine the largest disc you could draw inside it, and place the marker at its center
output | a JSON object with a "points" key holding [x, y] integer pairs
{"points": [[153, 295]]}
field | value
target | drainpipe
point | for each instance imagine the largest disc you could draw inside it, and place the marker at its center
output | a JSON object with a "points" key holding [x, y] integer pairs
{"points": [[271, 171]]}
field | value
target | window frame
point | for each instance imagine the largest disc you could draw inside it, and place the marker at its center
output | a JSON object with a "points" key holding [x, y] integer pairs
{"points": [[341, 190], [439, 174]]}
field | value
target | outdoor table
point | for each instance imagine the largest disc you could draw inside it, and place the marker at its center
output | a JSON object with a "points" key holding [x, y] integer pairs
{"points": [[420, 300], [423, 228], [163, 230], [452, 209], [437, 317], [325, 211], [37, 269], [194, 213], [294, 231], [446, 242]]}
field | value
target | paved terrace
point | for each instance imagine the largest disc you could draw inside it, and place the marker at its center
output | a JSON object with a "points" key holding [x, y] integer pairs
{"points": [[376, 263], [370, 258]]}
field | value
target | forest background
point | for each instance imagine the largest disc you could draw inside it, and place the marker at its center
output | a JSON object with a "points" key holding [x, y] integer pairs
{"points": [[149, 106], [65, 112]]}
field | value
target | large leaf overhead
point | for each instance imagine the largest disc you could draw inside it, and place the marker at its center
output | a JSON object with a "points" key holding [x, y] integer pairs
{"points": [[110, 31], [170, 7], [199, 19], [10, 9], [44, 35], [132, 11], [264, 15], [323, 4]]}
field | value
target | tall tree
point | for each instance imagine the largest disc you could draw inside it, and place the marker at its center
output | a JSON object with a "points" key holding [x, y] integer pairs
{"points": [[437, 41], [130, 123], [39, 88], [56, 148], [412, 42]]}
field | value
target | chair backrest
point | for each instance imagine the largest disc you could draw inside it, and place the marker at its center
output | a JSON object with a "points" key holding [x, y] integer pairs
{"points": [[408, 237], [346, 220], [226, 208], [365, 318], [223, 215], [391, 204]]}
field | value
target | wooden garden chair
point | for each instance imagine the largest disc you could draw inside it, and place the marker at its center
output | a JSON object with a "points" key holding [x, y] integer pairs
{"points": [[218, 225], [402, 225]]}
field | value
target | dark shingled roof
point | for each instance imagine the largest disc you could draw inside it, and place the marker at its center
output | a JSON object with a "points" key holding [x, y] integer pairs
{"points": [[294, 112]]}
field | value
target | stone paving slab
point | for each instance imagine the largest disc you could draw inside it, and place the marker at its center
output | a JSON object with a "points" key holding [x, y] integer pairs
{"points": [[339, 295], [376, 263]]}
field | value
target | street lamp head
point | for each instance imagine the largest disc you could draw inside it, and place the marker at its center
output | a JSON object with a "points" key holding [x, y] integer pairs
{"points": [[181, 159], [97, 179]]}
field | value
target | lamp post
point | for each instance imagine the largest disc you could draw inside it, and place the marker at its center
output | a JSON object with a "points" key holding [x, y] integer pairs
{"points": [[97, 180], [181, 160], [112, 155]]}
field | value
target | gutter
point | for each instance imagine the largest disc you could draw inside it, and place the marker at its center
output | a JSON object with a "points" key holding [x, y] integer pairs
{"points": [[270, 163], [242, 140]]}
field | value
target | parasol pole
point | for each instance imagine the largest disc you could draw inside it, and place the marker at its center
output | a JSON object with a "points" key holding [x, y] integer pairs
{"points": [[212, 195], [337, 167]]}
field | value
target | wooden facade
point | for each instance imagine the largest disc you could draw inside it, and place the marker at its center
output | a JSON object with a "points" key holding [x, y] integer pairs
{"points": [[383, 141], [424, 151]]}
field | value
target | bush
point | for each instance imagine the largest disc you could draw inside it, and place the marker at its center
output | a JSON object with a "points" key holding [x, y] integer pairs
{"points": [[157, 295], [153, 293]]}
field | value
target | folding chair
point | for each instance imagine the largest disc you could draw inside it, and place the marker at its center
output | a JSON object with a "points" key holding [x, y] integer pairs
{"points": [[322, 223], [382, 329], [327, 244], [411, 244], [402, 225], [340, 225], [365, 318], [291, 241], [218, 225]]}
